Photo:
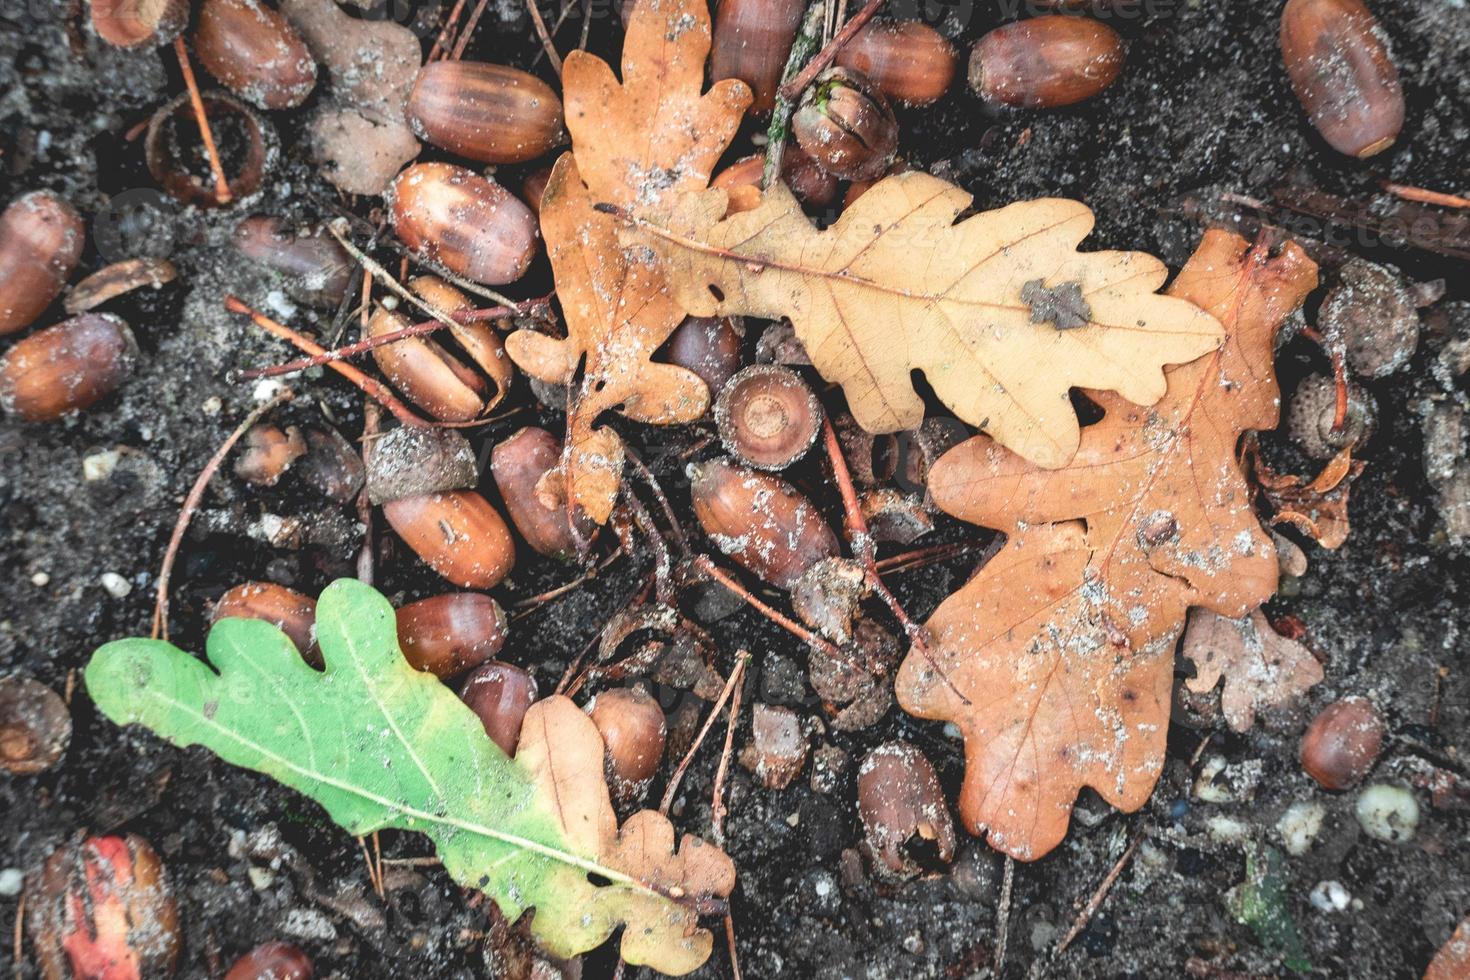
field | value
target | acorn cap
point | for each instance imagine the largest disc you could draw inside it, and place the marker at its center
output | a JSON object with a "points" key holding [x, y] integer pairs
{"points": [[767, 416]]}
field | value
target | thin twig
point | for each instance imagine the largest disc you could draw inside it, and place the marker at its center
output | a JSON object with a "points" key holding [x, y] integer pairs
{"points": [[18, 950], [663, 565], [792, 88], [658, 493], [862, 544], [1095, 902], [1003, 916], [191, 505], [546, 44], [919, 557], [717, 794], [371, 343], [368, 860], [730, 941], [528, 605], [221, 182], [369, 386], [469, 30], [731, 683], [709, 568], [441, 43], [1423, 196], [801, 49]]}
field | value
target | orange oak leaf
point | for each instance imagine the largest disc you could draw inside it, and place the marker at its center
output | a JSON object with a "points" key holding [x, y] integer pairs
{"points": [[1452, 962], [1261, 667], [1055, 660], [999, 310], [639, 142]]}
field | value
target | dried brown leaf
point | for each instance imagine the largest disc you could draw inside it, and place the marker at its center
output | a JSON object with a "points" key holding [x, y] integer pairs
{"points": [[640, 142], [1261, 667], [1000, 311], [1055, 661]]}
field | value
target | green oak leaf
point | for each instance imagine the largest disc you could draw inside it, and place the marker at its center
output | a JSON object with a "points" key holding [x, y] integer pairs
{"points": [[381, 745]]}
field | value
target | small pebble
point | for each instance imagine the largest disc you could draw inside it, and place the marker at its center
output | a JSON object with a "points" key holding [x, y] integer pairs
{"points": [[11, 882], [213, 405], [116, 586], [1388, 813], [265, 389], [99, 466], [309, 924], [40, 580], [1330, 896]]}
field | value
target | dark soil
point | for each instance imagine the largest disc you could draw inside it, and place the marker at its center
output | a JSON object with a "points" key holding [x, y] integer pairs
{"points": [[1202, 108]]}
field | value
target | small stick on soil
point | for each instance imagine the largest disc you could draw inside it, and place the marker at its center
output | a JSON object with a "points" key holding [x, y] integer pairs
{"points": [[546, 44], [371, 343], [469, 30], [717, 803], [221, 182], [369, 386], [1003, 918], [191, 505], [378, 861], [368, 860], [932, 554], [731, 684], [792, 88], [1423, 196], [862, 543], [371, 424], [663, 565], [713, 571], [801, 49], [1095, 902], [658, 493], [441, 43], [18, 950], [730, 941], [526, 606]]}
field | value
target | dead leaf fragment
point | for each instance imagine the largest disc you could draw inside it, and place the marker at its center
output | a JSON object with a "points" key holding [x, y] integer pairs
{"points": [[1452, 962], [1319, 507], [1261, 668], [1000, 312], [1055, 659], [642, 141], [562, 749]]}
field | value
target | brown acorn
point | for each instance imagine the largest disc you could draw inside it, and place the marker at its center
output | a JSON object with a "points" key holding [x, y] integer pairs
{"points": [[761, 521], [66, 368], [102, 908], [269, 452], [500, 694], [1046, 62], [767, 416], [434, 379], [533, 188], [134, 23], [1342, 743], [846, 125], [35, 726], [292, 612], [331, 466], [255, 51], [709, 346], [447, 635], [808, 181], [235, 125], [314, 269], [751, 41], [41, 238], [519, 463], [1343, 74], [908, 60], [1371, 312], [634, 731], [458, 534], [467, 223], [899, 798], [490, 113], [272, 961]]}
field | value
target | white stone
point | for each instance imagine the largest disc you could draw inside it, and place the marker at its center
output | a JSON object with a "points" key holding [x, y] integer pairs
{"points": [[40, 580], [1330, 896], [99, 466], [116, 586], [1300, 825], [11, 882], [1388, 813]]}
